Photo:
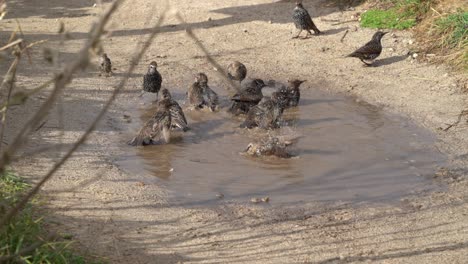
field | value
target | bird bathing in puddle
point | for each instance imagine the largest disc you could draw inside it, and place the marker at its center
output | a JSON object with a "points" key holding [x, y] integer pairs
{"points": [[157, 129], [277, 146]]}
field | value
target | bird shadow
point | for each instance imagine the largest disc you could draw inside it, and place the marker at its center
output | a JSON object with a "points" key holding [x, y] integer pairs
{"points": [[390, 60], [333, 31]]}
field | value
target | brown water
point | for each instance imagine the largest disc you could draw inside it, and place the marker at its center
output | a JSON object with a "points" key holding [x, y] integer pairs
{"points": [[348, 151]]}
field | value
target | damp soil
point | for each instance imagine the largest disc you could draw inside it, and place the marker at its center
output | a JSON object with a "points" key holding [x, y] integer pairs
{"points": [[348, 150]]}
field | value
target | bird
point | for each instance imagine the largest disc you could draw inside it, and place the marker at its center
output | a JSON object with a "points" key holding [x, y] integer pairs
{"points": [[152, 80], [195, 93], [178, 119], [212, 99], [157, 127], [303, 21], [293, 91], [106, 65], [265, 115], [250, 95], [273, 146], [200, 95], [371, 50], [237, 71]]}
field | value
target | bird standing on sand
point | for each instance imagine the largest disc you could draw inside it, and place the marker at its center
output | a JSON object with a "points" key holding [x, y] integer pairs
{"points": [[157, 127], [106, 65], [371, 50], [303, 21], [249, 96], [152, 80], [178, 119], [237, 71], [265, 115]]}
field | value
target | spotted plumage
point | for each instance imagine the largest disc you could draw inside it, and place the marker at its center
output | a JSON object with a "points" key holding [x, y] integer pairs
{"points": [[270, 147], [237, 71], [157, 127], [265, 115], [105, 65], [371, 50], [249, 96], [152, 80], [303, 21], [178, 119]]}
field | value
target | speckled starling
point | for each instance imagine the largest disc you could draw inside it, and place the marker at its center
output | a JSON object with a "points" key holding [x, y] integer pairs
{"points": [[157, 127], [271, 147], [178, 119], [195, 93], [152, 79], [106, 65], [265, 115], [237, 71], [371, 50], [249, 96], [293, 91], [210, 97], [303, 21]]}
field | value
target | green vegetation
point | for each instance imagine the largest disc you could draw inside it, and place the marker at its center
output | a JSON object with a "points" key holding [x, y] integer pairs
{"points": [[401, 14], [26, 230], [450, 36], [455, 29]]}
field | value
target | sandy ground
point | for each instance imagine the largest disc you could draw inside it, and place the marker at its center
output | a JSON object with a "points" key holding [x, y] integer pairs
{"points": [[111, 215]]}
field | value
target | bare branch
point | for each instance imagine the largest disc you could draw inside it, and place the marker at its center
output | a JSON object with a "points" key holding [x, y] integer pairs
{"points": [[136, 58], [62, 79], [8, 82]]}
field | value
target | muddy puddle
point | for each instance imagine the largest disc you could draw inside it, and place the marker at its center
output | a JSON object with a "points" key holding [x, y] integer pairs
{"points": [[347, 151]]}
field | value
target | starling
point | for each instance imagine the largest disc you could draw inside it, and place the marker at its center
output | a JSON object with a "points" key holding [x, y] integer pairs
{"points": [[178, 119], [303, 21], [195, 93], [237, 71], [249, 96], [106, 65], [156, 127], [270, 147], [371, 50], [152, 80], [293, 91], [212, 99], [281, 96], [264, 115]]}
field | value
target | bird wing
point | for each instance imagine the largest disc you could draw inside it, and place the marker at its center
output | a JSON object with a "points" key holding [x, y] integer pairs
{"points": [[368, 51], [250, 94], [212, 97], [195, 96], [152, 129], [177, 116]]}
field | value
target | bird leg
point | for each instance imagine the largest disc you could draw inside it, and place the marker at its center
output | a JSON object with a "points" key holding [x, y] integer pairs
{"points": [[366, 63], [141, 94], [295, 37]]}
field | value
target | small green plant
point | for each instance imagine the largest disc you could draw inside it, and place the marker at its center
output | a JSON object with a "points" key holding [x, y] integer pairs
{"points": [[26, 230], [402, 14]]}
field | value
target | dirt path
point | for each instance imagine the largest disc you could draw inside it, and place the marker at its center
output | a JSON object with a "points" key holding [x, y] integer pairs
{"points": [[111, 214]]}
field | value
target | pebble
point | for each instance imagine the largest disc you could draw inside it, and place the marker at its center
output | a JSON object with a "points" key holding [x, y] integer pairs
{"points": [[415, 55]]}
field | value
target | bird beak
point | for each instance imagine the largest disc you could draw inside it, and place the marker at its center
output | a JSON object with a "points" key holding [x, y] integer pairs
{"points": [[385, 32]]}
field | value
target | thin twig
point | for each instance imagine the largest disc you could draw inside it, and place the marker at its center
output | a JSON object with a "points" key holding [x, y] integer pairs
{"points": [[463, 113], [9, 83], [91, 128], [344, 35], [210, 59], [11, 44], [62, 79]]}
